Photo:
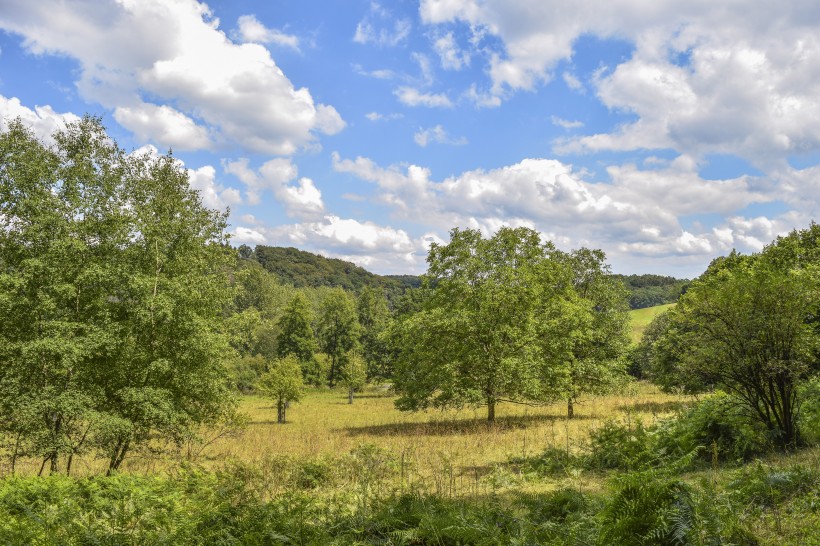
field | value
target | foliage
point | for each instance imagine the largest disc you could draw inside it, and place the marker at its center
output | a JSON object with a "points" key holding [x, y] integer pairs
{"points": [[352, 373], [601, 339], [809, 417], [304, 269], [651, 290], [246, 371], [115, 274], [371, 309], [743, 326], [283, 383], [338, 329], [623, 446], [720, 425], [495, 328]]}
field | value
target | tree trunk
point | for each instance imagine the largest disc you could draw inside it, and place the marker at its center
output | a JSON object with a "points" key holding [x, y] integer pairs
{"points": [[350, 395], [490, 410], [280, 411], [570, 409]]}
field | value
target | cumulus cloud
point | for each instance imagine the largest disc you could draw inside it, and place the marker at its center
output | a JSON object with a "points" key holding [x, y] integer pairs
{"points": [[567, 124], [163, 124], [413, 97], [302, 200], [42, 120], [174, 51], [376, 247], [637, 213], [438, 135], [214, 194], [704, 77], [251, 30]]}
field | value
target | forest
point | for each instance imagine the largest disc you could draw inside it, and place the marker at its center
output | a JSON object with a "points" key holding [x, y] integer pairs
{"points": [[160, 386]]}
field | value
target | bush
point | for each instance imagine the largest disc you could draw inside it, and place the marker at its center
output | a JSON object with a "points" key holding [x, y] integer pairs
{"points": [[617, 445], [718, 424], [766, 487], [808, 419]]}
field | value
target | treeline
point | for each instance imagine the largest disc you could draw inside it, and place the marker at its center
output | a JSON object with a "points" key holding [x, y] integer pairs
{"points": [[304, 269], [651, 290]]}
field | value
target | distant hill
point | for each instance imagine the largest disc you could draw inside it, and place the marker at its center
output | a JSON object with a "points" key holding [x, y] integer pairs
{"points": [[651, 290], [300, 268]]}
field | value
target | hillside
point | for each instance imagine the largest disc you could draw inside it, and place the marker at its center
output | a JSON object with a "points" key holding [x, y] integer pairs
{"points": [[640, 319], [300, 268], [651, 290]]}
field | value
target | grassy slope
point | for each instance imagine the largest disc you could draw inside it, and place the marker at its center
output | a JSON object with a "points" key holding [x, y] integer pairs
{"points": [[642, 317]]}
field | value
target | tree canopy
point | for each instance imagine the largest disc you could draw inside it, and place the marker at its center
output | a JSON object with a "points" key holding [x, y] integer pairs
{"points": [[498, 325], [115, 274]]}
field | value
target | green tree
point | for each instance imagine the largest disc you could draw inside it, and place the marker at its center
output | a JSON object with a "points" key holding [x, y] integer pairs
{"points": [[494, 328], [296, 334], [600, 333], [746, 325], [338, 329], [283, 383], [115, 275], [353, 373], [373, 315]]}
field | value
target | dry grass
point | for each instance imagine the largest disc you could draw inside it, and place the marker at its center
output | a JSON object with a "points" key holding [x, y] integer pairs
{"points": [[460, 444]]}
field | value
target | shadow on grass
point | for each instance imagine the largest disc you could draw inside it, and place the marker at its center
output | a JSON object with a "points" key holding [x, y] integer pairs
{"points": [[669, 406], [455, 427]]}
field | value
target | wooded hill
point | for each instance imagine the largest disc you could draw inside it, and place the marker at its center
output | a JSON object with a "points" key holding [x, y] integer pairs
{"points": [[305, 269]]}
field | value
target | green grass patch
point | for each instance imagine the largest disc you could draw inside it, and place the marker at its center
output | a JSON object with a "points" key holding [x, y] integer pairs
{"points": [[640, 319]]}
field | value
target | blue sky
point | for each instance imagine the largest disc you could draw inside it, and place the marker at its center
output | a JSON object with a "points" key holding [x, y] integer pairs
{"points": [[666, 133]]}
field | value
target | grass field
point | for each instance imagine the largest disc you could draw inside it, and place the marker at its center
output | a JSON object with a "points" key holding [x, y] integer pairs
{"points": [[640, 319], [430, 446]]}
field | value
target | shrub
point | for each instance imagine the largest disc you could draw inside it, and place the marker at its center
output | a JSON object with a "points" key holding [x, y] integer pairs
{"points": [[809, 417], [718, 424], [617, 445]]}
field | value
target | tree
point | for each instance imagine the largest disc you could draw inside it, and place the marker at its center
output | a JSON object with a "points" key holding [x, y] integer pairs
{"points": [[353, 373], [373, 315], [283, 383], [600, 326], [338, 329], [746, 325], [493, 329], [296, 335], [115, 275]]}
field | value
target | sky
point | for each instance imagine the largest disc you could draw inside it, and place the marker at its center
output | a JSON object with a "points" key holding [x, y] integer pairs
{"points": [[665, 133]]}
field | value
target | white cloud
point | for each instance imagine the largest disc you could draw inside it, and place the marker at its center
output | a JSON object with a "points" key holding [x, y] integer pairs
{"points": [[251, 30], [380, 248], [438, 135], [214, 195], [174, 51], [413, 97], [378, 27], [704, 77], [43, 120], [376, 116], [246, 235], [638, 213], [152, 123], [566, 124], [572, 81], [452, 57], [303, 200]]}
